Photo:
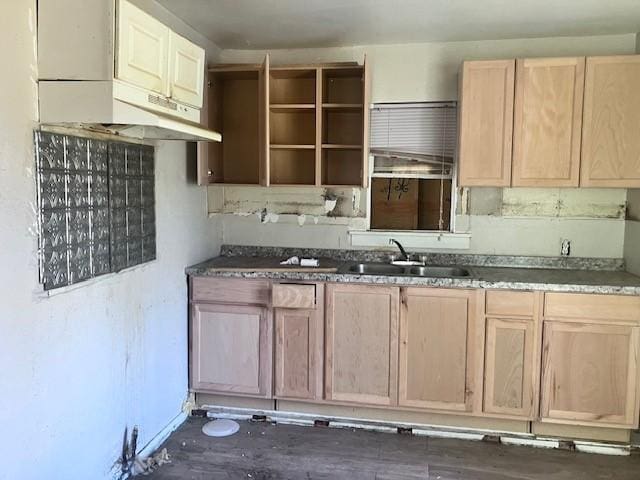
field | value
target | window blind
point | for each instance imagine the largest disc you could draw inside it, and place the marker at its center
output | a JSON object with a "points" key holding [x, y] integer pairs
{"points": [[415, 140]]}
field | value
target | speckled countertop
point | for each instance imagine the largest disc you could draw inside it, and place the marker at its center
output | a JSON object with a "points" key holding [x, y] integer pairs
{"points": [[567, 275]]}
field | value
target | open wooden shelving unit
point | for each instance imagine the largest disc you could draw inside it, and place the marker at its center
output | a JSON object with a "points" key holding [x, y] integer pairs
{"points": [[301, 125]]}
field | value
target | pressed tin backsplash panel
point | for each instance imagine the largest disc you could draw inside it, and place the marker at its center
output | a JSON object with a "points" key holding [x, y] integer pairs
{"points": [[97, 207]]}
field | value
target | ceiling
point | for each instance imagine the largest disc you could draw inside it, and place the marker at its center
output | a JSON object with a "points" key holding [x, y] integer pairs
{"points": [[269, 24]]}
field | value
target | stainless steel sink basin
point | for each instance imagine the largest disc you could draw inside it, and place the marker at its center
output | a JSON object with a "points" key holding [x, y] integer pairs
{"points": [[438, 272], [377, 269], [412, 271]]}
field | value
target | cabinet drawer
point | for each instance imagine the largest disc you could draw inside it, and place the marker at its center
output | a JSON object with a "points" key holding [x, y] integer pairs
{"points": [[592, 307], [510, 303], [225, 290], [287, 295]]}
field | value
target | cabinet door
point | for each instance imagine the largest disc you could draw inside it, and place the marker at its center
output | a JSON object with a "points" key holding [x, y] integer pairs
{"points": [[548, 122], [299, 350], [590, 374], [486, 123], [361, 344], [186, 71], [610, 140], [508, 369], [231, 349], [437, 349], [143, 49]]}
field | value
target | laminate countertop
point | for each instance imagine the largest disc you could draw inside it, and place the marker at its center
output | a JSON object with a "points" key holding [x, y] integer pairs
{"points": [[488, 277]]}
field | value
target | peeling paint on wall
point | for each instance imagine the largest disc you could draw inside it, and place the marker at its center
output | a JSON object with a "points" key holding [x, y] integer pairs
{"points": [[318, 202], [564, 202]]}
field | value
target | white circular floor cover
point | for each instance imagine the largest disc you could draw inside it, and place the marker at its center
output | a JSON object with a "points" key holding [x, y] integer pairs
{"points": [[220, 428]]}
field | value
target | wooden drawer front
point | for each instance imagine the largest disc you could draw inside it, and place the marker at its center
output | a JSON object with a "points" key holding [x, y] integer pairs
{"points": [[287, 295], [592, 307], [229, 290], [510, 303]]}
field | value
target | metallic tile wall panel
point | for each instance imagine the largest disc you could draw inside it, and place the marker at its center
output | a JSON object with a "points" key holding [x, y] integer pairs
{"points": [[97, 202], [131, 197]]}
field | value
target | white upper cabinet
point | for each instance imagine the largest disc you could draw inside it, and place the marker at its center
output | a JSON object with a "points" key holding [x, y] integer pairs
{"points": [[186, 71], [142, 56]]}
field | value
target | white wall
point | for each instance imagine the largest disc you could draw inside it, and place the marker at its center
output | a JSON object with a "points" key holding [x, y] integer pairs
{"points": [[80, 366], [428, 72]]}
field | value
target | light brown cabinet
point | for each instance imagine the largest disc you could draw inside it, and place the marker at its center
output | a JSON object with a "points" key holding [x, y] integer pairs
{"points": [[554, 357], [231, 349], [610, 140], [547, 122], [361, 347], [486, 123], [437, 349], [235, 102], [572, 122], [590, 373], [512, 352], [590, 360], [292, 125], [299, 344]]}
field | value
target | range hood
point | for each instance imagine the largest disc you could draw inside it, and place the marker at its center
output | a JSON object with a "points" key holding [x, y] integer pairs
{"points": [[119, 108]]}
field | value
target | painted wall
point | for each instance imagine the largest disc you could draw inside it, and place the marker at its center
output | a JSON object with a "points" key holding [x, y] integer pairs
{"points": [[518, 221], [81, 365]]}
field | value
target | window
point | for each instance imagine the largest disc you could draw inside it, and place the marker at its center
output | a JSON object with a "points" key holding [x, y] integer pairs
{"points": [[96, 203], [412, 183]]}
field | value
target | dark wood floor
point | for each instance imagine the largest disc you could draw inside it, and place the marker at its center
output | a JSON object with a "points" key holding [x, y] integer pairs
{"points": [[261, 451]]}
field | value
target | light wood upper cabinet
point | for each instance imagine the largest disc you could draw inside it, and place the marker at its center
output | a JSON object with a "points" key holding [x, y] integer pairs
{"points": [[361, 349], [186, 71], [236, 97], [143, 49], [299, 346], [231, 349], [610, 139], [548, 122], [486, 123], [437, 349]]}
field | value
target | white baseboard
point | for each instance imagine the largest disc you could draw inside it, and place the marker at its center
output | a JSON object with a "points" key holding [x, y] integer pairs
{"points": [[156, 441], [507, 438]]}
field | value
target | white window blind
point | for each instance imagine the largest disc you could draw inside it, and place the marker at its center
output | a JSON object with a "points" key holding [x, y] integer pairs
{"points": [[414, 140]]}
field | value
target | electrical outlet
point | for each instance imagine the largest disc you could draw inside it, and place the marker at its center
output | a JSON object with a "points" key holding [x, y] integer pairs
{"points": [[565, 248]]}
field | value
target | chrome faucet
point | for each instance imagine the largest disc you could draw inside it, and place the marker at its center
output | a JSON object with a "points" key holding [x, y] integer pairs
{"points": [[403, 253]]}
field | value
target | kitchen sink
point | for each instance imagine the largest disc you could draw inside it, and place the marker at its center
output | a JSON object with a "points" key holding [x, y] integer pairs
{"points": [[377, 269], [438, 272], [412, 271]]}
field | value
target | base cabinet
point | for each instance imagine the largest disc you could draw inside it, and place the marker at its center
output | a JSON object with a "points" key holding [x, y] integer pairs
{"points": [[299, 348], [590, 374], [437, 349], [231, 349], [508, 369], [361, 351], [556, 358]]}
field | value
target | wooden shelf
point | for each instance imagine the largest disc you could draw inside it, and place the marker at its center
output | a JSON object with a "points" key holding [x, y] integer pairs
{"points": [[340, 146], [342, 106], [292, 107], [292, 147]]}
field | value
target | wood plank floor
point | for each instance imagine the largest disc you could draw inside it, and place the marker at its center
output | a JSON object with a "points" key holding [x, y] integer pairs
{"points": [[261, 451]]}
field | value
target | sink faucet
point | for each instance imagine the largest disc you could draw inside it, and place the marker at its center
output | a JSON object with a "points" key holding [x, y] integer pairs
{"points": [[403, 252]]}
